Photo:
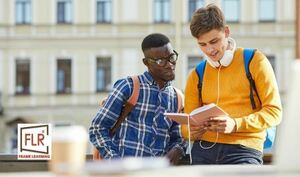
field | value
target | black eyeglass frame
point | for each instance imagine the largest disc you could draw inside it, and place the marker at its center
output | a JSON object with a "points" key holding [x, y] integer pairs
{"points": [[163, 61]]}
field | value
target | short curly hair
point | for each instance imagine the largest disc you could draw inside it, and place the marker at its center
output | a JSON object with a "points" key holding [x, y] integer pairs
{"points": [[154, 40]]}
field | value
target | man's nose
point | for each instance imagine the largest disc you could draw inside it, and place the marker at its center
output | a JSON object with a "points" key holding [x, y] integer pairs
{"points": [[210, 49]]}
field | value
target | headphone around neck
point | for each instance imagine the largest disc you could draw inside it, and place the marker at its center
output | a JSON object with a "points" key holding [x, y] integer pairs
{"points": [[227, 57]]}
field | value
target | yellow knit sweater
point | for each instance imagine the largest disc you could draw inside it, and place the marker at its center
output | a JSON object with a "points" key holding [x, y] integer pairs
{"points": [[234, 99]]}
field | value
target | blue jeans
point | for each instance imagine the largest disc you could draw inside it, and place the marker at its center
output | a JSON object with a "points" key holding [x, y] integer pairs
{"points": [[225, 154]]}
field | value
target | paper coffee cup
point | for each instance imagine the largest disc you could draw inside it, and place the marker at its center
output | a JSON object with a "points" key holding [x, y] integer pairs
{"points": [[68, 150]]}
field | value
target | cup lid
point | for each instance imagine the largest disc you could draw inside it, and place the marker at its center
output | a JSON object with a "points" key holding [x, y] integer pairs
{"points": [[74, 133]]}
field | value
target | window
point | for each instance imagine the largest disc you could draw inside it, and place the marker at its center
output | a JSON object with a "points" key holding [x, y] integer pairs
{"points": [[23, 11], [64, 11], [22, 76], [64, 76], [266, 10], [104, 11], [161, 11], [272, 60], [103, 74], [193, 61], [193, 6], [231, 10]]}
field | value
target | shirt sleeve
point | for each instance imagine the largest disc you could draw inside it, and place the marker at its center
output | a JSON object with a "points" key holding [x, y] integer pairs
{"points": [[270, 112], [176, 140], [106, 117]]}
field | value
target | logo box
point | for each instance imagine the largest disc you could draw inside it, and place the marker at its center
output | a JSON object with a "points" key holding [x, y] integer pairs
{"points": [[34, 141]]}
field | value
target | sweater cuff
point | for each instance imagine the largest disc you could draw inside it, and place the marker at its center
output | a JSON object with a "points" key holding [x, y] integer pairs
{"points": [[238, 124]]}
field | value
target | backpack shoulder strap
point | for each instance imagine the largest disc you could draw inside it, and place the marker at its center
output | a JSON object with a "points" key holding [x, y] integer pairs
{"points": [[129, 105], [200, 72], [248, 55], [180, 98], [270, 132], [135, 92]]}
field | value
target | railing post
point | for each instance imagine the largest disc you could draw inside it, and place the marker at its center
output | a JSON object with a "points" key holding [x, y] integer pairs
{"points": [[1, 107], [297, 29]]}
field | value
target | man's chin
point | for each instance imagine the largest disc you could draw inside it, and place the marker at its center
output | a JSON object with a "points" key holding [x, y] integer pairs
{"points": [[214, 59], [170, 78]]}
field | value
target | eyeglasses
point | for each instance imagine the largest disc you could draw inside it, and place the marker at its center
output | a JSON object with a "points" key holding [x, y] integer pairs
{"points": [[163, 61]]}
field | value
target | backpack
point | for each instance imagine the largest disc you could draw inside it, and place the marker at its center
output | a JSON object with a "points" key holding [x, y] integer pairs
{"points": [[248, 55], [128, 107]]}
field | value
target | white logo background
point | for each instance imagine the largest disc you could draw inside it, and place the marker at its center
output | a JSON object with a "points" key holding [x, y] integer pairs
{"points": [[34, 141]]}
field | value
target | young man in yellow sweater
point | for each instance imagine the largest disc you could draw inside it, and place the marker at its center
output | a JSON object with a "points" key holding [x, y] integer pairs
{"points": [[239, 137]]}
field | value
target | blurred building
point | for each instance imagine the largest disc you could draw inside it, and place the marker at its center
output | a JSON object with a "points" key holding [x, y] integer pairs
{"points": [[58, 58]]}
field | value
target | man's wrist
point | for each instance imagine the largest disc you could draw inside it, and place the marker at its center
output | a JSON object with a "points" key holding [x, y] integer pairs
{"points": [[180, 150]]}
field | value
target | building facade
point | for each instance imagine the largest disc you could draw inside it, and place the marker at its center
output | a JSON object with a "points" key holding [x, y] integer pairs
{"points": [[58, 58]]}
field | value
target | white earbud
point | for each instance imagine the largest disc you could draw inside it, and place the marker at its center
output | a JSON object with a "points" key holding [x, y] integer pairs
{"points": [[227, 57]]}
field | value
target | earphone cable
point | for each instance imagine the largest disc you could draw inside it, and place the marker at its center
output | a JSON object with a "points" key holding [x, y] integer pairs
{"points": [[218, 96], [190, 148]]}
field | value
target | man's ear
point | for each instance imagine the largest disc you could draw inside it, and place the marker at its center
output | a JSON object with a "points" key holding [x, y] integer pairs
{"points": [[227, 31], [145, 61]]}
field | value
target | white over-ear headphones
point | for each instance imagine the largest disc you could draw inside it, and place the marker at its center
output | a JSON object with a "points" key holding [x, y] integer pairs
{"points": [[227, 57]]}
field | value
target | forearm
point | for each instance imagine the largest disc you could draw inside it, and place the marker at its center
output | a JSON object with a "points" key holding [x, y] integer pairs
{"points": [[265, 118], [191, 100], [101, 140], [191, 94]]}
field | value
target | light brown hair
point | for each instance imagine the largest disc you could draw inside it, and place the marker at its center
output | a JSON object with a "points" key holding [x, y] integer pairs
{"points": [[206, 19]]}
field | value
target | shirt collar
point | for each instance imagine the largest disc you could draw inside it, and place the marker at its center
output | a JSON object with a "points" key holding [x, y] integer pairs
{"points": [[149, 79]]}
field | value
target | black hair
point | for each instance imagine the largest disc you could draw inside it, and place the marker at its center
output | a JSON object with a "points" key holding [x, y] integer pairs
{"points": [[154, 40]]}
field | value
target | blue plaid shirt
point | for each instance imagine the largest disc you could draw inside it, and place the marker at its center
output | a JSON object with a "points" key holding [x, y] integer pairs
{"points": [[145, 131]]}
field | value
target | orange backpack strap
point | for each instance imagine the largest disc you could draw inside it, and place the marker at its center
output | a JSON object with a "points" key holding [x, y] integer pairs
{"points": [[129, 105], [135, 92], [180, 99]]}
